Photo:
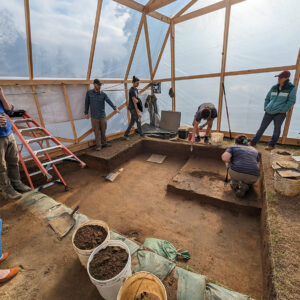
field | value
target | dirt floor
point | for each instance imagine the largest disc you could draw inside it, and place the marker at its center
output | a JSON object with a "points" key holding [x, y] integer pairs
{"points": [[50, 269], [225, 246]]}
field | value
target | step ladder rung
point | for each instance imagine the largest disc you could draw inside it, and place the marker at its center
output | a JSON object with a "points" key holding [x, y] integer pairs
{"points": [[56, 160], [47, 149], [30, 129], [30, 158], [42, 138], [22, 120], [38, 172]]}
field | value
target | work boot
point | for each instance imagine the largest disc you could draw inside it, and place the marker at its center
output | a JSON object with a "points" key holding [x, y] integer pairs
{"points": [[98, 148], [197, 139], [242, 189], [206, 140], [20, 187], [269, 148], [8, 192], [106, 145]]}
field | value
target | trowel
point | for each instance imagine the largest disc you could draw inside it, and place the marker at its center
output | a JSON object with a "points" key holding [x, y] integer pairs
{"points": [[63, 223]]}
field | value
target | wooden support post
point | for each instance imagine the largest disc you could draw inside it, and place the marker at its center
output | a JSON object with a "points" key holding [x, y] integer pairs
{"points": [[173, 64], [69, 112], [95, 33], [290, 112], [148, 45], [223, 66], [134, 47], [28, 38], [161, 52]]}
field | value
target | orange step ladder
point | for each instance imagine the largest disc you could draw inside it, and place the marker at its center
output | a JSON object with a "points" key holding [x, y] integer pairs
{"points": [[44, 166]]}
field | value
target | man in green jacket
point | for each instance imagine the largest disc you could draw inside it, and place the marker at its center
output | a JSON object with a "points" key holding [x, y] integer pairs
{"points": [[279, 100]]}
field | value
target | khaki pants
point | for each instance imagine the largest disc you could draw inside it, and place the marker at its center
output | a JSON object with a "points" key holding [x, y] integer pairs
{"points": [[99, 128], [245, 178], [9, 160]]}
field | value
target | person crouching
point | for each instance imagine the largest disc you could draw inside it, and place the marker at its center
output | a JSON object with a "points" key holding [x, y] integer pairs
{"points": [[244, 165]]}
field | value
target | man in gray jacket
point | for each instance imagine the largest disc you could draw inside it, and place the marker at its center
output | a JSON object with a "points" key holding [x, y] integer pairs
{"points": [[95, 99]]}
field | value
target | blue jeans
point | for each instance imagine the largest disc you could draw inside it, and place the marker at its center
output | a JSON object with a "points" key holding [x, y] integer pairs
{"points": [[267, 119]]}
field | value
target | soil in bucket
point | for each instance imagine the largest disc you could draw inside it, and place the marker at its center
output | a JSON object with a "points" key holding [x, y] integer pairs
{"points": [[89, 237], [146, 296], [108, 263]]}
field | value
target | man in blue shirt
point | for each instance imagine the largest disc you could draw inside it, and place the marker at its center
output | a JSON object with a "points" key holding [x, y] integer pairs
{"points": [[95, 99], [10, 180], [279, 100], [244, 165]]}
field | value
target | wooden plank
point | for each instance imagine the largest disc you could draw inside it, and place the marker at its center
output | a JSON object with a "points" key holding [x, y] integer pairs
{"points": [[134, 47], [161, 52], [223, 65], [95, 33], [17, 82], [28, 38], [139, 7], [290, 112], [172, 42], [184, 9], [144, 89], [67, 101], [65, 140], [86, 134], [205, 10], [148, 44], [153, 5]]}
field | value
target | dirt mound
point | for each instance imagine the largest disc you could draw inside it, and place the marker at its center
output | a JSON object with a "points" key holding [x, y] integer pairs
{"points": [[89, 237], [108, 263]]}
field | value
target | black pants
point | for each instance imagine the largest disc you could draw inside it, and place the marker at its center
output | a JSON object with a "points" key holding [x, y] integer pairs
{"points": [[134, 119]]}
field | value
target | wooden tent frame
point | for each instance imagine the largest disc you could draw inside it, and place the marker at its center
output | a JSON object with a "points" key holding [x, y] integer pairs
{"points": [[150, 10]]}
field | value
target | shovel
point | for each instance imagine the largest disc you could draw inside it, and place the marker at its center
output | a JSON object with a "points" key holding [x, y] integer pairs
{"points": [[63, 223]]}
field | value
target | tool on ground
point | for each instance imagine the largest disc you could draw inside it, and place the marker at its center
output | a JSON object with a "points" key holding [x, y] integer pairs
{"points": [[63, 223], [112, 176], [287, 172], [41, 157], [227, 173], [227, 112]]}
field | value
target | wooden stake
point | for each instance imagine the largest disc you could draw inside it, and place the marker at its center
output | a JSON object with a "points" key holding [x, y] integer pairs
{"points": [[95, 33], [223, 66], [290, 112]]}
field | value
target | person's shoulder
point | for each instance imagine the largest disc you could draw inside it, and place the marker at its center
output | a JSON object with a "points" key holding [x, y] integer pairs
{"points": [[90, 91], [291, 86], [103, 94]]}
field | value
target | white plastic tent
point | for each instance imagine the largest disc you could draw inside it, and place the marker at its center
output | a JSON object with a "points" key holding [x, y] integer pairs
{"points": [[57, 47]]}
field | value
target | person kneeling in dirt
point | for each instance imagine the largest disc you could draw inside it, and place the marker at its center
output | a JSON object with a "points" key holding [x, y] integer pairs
{"points": [[10, 180], [208, 112], [244, 165]]}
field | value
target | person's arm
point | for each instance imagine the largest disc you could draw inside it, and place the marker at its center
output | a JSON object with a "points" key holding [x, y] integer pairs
{"points": [[226, 157], [268, 98], [107, 100], [6, 105], [135, 101], [87, 105], [195, 130], [290, 101], [209, 126]]}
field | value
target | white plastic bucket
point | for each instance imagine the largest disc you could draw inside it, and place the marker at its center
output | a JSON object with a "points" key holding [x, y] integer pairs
{"points": [[109, 289], [216, 138], [142, 282], [84, 255]]}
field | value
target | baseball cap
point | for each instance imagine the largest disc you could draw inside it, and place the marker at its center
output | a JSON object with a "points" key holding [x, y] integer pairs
{"points": [[97, 81], [284, 74]]}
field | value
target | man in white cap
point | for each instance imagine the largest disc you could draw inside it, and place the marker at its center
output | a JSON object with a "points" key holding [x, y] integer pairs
{"points": [[279, 100]]}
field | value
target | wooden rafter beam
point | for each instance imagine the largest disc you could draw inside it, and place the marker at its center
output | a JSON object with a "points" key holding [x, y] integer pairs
{"points": [[223, 65], [161, 52], [28, 38], [205, 10], [184, 9], [139, 7], [95, 33], [172, 43], [148, 44], [134, 47], [153, 5], [290, 112]]}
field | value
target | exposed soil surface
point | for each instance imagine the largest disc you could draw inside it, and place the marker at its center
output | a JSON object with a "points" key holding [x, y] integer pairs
{"points": [[89, 237], [170, 284], [225, 246], [146, 296], [108, 263]]}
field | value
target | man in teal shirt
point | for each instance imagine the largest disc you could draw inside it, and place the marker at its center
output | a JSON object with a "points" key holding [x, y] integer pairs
{"points": [[279, 100]]}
